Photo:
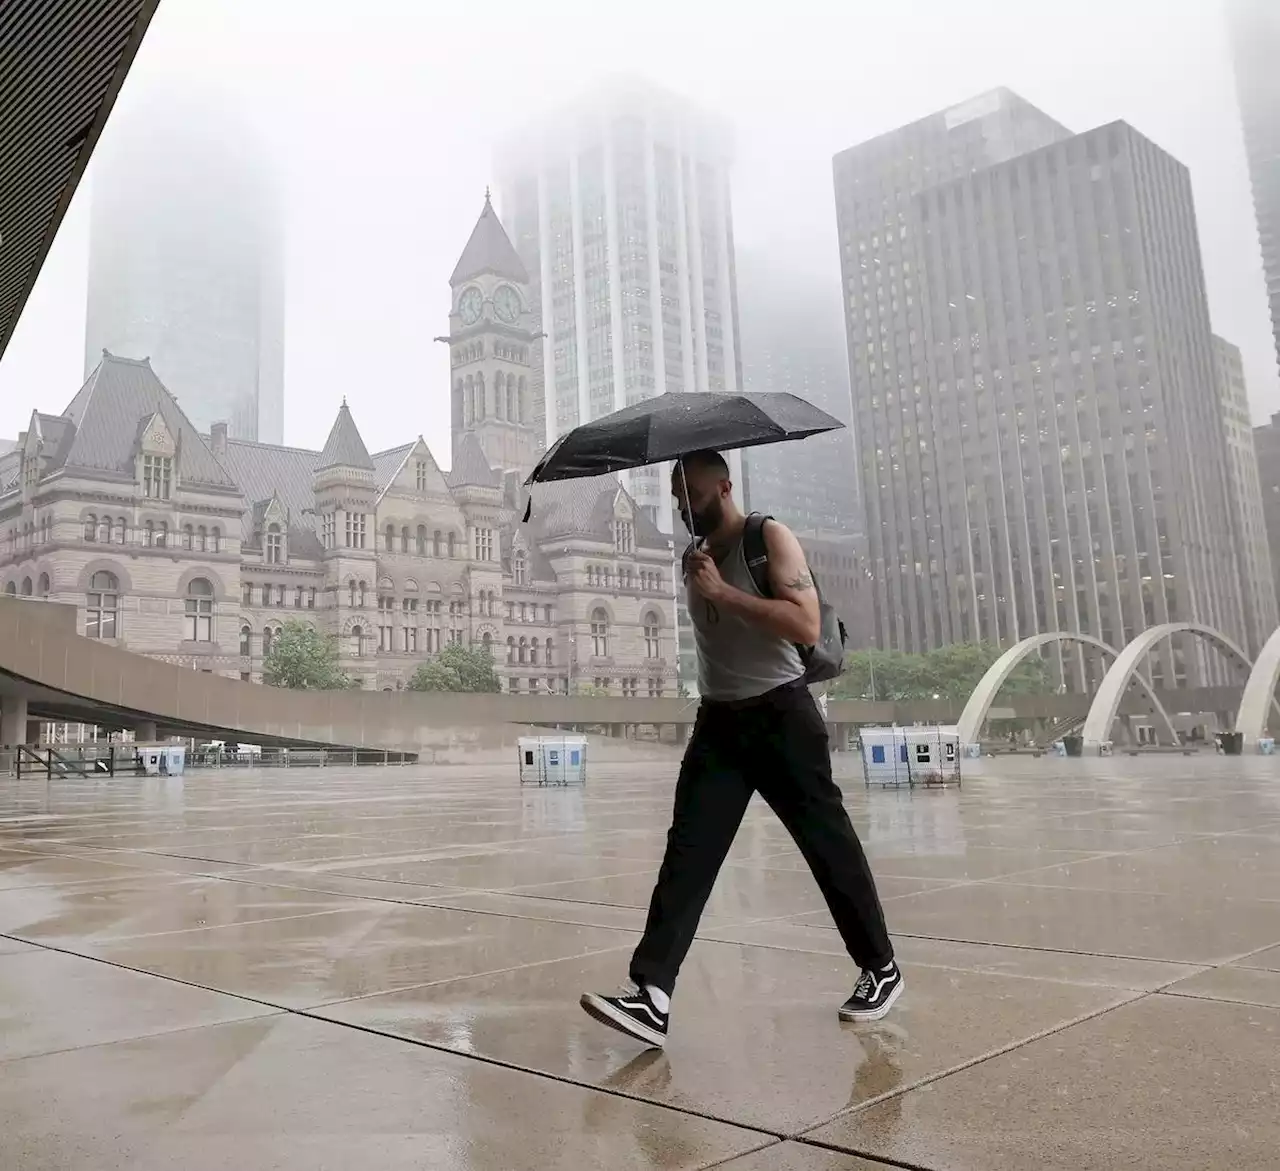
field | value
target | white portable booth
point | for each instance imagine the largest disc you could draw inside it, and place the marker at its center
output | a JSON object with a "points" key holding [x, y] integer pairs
{"points": [[911, 756]]}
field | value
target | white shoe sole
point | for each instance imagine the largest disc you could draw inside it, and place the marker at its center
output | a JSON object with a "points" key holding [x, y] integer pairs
{"points": [[600, 1009], [857, 1016]]}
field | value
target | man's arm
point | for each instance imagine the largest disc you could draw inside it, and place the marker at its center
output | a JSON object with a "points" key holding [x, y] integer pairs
{"points": [[792, 612]]}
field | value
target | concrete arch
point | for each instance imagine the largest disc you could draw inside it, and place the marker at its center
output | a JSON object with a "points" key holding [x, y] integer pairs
{"points": [[1106, 704], [1258, 699], [110, 565], [979, 703]]}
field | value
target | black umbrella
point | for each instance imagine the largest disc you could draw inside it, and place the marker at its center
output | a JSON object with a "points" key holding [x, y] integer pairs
{"points": [[672, 425]]}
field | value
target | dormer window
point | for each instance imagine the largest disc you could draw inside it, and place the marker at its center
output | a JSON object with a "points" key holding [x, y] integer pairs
{"points": [[624, 536], [30, 472], [157, 476], [275, 545], [420, 474]]}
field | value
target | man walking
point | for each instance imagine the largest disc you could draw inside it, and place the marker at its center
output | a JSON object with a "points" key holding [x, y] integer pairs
{"points": [[758, 729]]}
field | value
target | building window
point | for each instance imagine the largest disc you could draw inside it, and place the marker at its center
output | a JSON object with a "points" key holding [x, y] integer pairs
{"points": [[624, 536], [355, 530], [511, 649], [267, 635], [120, 531], [599, 633], [357, 641], [162, 534], [522, 652], [421, 545], [157, 476], [311, 598], [215, 540], [91, 527], [246, 634], [297, 598], [363, 588], [404, 539], [629, 689], [351, 593], [411, 640], [520, 568], [246, 594], [389, 539], [188, 537], [26, 587], [484, 544], [202, 539], [280, 592], [652, 637], [533, 652], [329, 530], [104, 530], [275, 545], [486, 643], [551, 654], [199, 607], [420, 474], [43, 587], [437, 548], [102, 610], [655, 688], [453, 548]]}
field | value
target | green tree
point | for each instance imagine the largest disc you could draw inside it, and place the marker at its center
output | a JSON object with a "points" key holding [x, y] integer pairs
{"points": [[949, 672], [457, 668], [304, 659]]}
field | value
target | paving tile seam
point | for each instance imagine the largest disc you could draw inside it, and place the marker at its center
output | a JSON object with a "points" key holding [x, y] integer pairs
{"points": [[969, 1063], [111, 940], [1173, 994], [882, 1160], [1066, 951], [729, 1160], [1110, 890]]}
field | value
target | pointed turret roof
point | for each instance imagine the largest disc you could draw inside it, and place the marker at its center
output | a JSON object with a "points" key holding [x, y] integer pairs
{"points": [[470, 467], [344, 448], [489, 250]]}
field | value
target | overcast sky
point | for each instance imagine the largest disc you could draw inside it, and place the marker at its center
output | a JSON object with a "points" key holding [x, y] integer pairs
{"points": [[382, 119]]}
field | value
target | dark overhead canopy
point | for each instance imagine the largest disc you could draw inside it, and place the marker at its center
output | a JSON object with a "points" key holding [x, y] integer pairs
{"points": [[61, 66]]}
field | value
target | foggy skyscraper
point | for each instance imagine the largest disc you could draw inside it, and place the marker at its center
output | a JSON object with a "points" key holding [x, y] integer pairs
{"points": [[1042, 446], [619, 206], [1255, 41], [185, 263]]}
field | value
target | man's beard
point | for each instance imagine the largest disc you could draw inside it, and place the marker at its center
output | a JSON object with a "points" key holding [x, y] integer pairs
{"points": [[705, 520]]}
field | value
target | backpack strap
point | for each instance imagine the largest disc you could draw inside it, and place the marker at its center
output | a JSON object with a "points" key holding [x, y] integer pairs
{"points": [[756, 553]]}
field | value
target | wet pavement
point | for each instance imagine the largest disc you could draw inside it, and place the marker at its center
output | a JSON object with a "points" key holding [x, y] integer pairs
{"points": [[380, 968]]}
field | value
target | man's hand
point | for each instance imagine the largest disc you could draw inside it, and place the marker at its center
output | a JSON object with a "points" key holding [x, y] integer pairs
{"points": [[705, 575]]}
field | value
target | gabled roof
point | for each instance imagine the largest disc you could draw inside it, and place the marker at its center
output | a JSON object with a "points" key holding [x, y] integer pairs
{"points": [[470, 467], [263, 470], [344, 448], [102, 424], [489, 250], [387, 465], [585, 508]]}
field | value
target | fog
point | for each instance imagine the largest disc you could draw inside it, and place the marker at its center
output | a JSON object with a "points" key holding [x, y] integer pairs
{"points": [[382, 123]]}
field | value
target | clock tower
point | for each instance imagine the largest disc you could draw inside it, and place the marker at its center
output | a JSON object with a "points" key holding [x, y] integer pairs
{"points": [[491, 347]]}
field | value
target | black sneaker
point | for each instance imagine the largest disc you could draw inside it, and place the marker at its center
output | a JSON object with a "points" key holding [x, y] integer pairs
{"points": [[873, 995], [631, 1012]]}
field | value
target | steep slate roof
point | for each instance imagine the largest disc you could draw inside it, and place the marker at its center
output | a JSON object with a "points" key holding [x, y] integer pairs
{"points": [[263, 470], [387, 465], [107, 415], [470, 467], [344, 448], [7, 445], [571, 508], [489, 250]]}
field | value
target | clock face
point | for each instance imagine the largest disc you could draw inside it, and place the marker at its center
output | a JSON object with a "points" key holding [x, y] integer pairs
{"points": [[470, 305], [506, 303]]}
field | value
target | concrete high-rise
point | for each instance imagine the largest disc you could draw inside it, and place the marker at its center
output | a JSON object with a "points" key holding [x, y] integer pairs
{"points": [[619, 206], [1253, 554], [1041, 442], [793, 340], [1255, 41], [185, 263]]}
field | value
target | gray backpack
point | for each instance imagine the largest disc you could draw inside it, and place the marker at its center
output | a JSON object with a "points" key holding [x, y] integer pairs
{"points": [[824, 660]]}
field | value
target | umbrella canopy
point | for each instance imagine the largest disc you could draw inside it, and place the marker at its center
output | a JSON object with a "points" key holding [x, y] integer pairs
{"points": [[672, 425]]}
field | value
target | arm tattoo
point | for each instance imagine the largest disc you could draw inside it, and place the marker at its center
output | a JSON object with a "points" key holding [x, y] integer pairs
{"points": [[802, 581]]}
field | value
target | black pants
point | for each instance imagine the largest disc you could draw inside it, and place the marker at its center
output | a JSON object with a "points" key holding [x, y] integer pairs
{"points": [[776, 744]]}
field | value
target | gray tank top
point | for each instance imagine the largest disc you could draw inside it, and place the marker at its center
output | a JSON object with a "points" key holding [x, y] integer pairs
{"points": [[737, 659]]}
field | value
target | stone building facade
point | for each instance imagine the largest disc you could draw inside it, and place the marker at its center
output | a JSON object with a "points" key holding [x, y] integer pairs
{"points": [[196, 549]]}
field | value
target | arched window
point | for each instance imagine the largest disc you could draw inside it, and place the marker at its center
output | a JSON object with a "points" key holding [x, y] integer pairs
{"points": [[452, 544], [202, 539], [26, 587], [199, 607], [600, 633], [216, 540], [523, 651], [482, 407], [652, 636], [499, 395], [551, 654], [102, 606], [357, 641], [246, 634], [511, 643], [437, 549], [11, 588], [188, 536], [512, 399], [275, 545], [422, 541], [533, 652], [486, 641], [351, 592], [162, 534], [104, 531], [149, 534], [90, 527], [389, 539], [404, 539], [267, 635], [521, 409], [120, 527], [520, 568], [44, 585], [363, 587]]}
